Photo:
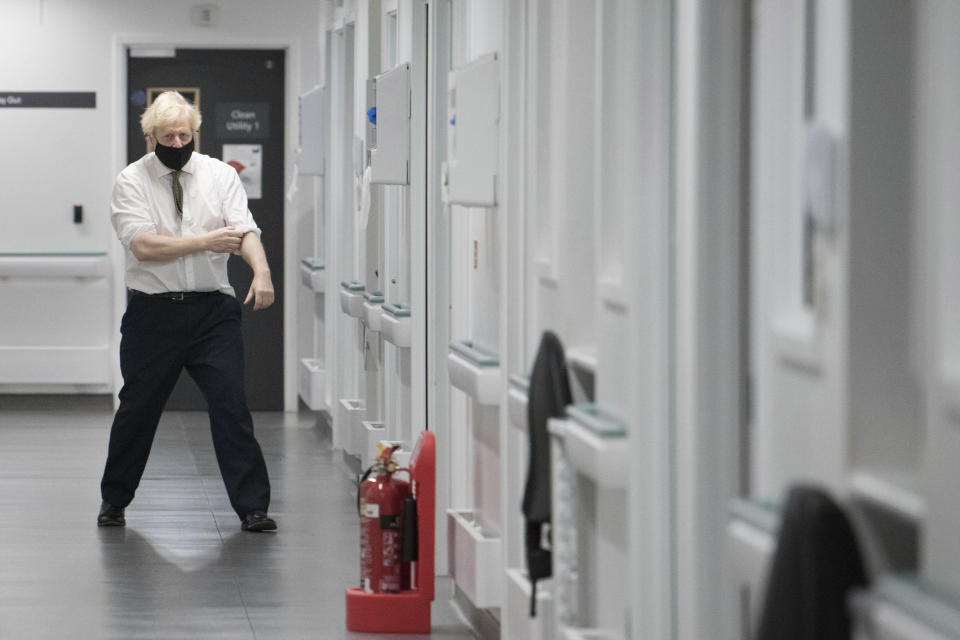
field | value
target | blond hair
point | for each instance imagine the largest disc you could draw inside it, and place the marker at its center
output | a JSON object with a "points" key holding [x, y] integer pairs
{"points": [[168, 107]]}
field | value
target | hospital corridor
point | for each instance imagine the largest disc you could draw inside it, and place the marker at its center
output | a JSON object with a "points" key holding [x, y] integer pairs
{"points": [[181, 568], [480, 319]]}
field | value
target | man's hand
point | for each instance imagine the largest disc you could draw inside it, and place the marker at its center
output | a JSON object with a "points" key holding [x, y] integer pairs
{"points": [[224, 240], [261, 291]]}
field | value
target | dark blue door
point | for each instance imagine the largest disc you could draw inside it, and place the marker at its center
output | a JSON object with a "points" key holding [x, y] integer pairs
{"points": [[241, 98]]}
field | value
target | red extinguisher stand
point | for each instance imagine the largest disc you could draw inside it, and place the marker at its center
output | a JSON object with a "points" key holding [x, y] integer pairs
{"points": [[406, 611]]}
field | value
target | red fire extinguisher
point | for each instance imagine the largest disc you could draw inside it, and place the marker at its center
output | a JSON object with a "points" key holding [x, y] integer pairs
{"points": [[381, 504]]}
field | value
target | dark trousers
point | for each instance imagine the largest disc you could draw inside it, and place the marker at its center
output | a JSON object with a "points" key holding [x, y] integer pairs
{"points": [[160, 337]]}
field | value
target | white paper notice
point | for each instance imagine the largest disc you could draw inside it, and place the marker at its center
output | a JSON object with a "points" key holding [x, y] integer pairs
{"points": [[247, 159]]}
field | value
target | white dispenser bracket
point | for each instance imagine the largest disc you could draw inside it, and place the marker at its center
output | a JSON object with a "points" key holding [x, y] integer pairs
{"points": [[390, 159], [474, 108]]}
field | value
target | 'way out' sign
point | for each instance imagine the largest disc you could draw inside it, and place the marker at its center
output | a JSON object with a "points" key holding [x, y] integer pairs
{"points": [[48, 99]]}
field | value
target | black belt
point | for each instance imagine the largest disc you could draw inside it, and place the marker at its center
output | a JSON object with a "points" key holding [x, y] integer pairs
{"points": [[174, 295]]}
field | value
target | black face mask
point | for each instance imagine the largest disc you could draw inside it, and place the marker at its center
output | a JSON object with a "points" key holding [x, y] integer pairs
{"points": [[172, 157]]}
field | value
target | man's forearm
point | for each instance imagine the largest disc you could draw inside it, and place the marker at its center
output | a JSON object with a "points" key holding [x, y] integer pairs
{"points": [[251, 250], [153, 247]]}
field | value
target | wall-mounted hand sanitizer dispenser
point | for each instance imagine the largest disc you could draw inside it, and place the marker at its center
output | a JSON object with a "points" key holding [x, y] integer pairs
{"points": [[390, 159], [474, 133], [370, 116], [311, 132]]}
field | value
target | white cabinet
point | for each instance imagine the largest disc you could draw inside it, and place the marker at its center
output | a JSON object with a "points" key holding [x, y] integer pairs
{"points": [[313, 274], [475, 370]]}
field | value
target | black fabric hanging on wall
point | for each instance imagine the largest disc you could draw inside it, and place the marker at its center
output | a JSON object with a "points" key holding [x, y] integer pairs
{"points": [[816, 564], [548, 397]]}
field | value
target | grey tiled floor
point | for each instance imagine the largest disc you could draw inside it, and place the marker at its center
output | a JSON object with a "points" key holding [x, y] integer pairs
{"points": [[181, 568]]}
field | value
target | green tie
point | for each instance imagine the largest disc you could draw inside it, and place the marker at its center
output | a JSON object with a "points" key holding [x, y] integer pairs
{"points": [[177, 191]]}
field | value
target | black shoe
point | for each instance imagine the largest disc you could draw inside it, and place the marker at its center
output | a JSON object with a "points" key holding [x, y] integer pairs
{"points": [[110, 516], [257, 521]]}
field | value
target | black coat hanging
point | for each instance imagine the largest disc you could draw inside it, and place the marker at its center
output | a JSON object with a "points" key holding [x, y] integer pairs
{"points": [[548, 397], [816, 564]]}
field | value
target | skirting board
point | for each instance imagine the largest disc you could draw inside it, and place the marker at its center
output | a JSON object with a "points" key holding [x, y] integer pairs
{"points": [[483, 622]]}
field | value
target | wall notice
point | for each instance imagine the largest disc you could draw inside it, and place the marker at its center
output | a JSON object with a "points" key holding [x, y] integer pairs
{"points": [[48, 99], [243, 120], [247, 159]]}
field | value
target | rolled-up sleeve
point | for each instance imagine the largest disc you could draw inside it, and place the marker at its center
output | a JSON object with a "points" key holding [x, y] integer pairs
{"points": [[235, 211], [129, 211]]}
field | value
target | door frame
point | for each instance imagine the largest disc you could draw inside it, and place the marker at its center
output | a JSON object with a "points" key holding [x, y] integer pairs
{"points": [[162, 44], [711, 305]]}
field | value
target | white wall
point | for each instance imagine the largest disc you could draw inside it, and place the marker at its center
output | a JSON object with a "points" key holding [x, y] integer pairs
{"points": [[55, 158], [936, 197], [59, 157], [798, 358]]}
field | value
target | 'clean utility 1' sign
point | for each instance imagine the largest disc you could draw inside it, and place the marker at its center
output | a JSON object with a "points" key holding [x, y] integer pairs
{"points": [[243, 120]]}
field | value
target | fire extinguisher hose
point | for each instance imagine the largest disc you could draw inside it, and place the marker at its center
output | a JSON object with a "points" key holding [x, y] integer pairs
{"points": [[408, 537]]}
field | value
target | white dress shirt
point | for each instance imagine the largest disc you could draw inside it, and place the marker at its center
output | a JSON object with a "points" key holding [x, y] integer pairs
{"points": [[213, 197]]}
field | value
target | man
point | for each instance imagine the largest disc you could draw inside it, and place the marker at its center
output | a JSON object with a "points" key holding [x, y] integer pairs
{"points": [[180, 215]]}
